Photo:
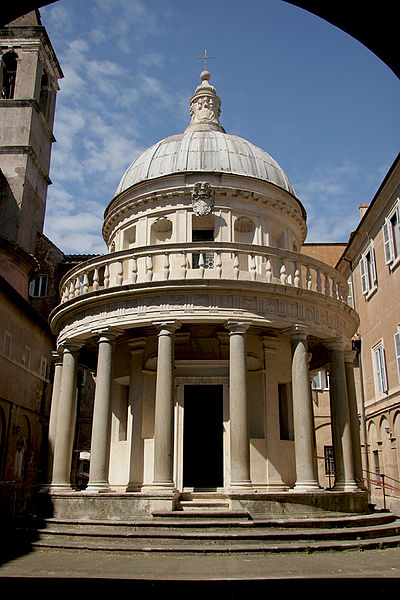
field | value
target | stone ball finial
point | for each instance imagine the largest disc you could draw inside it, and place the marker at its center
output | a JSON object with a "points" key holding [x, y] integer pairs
{"points": [[205, 76]]}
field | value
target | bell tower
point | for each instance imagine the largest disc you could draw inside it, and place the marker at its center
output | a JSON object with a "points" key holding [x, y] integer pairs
{"points": [[29, 74]]}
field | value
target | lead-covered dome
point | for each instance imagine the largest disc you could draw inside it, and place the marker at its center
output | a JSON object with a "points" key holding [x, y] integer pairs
{"points": [[204, 147]]}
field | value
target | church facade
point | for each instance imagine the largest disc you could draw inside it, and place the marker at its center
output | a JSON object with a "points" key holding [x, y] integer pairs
{"points": [[203, 327]]}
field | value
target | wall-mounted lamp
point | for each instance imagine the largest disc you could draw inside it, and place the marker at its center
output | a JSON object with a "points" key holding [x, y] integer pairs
{"points": [[388, 430]]}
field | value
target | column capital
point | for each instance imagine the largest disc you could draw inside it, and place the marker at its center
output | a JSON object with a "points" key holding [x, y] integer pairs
{"points": [[72, 346], [335, 344], [137, 344], [297, 332], [109, 334], [349, 356], [56, 357], [167, 327], [237, 326]]}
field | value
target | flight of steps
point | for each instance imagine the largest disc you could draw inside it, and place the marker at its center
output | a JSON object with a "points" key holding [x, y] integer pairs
{"points": [[210, 527]]}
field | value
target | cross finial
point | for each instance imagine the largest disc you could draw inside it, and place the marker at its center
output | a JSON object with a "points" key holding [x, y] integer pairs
{"points": [[205, 59]]}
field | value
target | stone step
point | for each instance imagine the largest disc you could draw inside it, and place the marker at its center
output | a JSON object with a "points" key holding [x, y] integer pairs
{"points": [[183, 522], [204, 512], [231, 533], [207, 547]]}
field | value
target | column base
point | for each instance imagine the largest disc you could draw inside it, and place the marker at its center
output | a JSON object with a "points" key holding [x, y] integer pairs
{"points": [[98, 488], [159, 488], [346, 486], [236, 487], [58, 488], [306, 486]]}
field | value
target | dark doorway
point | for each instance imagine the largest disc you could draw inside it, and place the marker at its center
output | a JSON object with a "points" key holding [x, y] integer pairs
{"points": [[202, 437]]}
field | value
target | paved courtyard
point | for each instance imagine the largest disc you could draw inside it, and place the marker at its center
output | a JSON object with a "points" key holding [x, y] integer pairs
{"points": [[60, 573]]}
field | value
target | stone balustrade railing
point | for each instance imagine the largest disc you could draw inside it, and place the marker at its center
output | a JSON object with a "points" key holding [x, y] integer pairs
{"points": [[205, 260]]}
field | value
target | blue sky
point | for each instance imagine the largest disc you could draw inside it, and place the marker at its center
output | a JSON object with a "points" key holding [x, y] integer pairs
{"points": [[318, 101]]}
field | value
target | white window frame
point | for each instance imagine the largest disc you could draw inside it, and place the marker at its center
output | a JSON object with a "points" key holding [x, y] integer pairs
{"points": [[397, 351], [320, 381], [38, 286], [381, 381], [392, 254], [368, 271]]}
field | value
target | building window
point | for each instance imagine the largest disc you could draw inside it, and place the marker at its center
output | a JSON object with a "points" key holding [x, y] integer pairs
{"points": [[397, 351], [380, 369], [203, 259], [320, 381], [7, 343], [391, 236], [368, 271], [38, 287], [8, 72], [26, 357], [43, 367], [329, 459]]}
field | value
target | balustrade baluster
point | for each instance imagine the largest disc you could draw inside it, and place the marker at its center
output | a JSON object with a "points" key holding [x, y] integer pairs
{"points": [[268, 270], [308, 278], [289, 278], [85, 283], [282, 274], [235, 265], [149, 266], [201, 264], [319, 281], [96, 279], [327, 285], [106, 276], [253, 273], [183, 264], [166, 265], [77, 286], [134, 269], [334, 289], [218, 264], [297, 275], [120, 272]]}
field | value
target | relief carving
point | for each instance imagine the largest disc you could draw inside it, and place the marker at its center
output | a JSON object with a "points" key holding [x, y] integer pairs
{"points": [[202, 201]]}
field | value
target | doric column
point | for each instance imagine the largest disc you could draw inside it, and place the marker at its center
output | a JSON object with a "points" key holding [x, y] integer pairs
{"points": [[164, 409], [101, 425], [55, 401], [136, 406], [240, 444], [303, 421], [341, 431], [274, 479], [349, 357], [66, 419]]}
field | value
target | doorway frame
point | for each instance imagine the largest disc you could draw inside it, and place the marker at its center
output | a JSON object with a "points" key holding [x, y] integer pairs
{"points": [[179, 424]]}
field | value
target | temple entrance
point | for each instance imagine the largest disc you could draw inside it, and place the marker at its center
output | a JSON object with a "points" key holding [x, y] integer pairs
{"points": [[203, 437]]}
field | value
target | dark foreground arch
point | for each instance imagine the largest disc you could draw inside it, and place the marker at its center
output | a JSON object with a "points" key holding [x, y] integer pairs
{"points": [[375, 26]]}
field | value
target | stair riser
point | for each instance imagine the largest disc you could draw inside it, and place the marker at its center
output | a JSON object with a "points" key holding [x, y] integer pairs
{"points": [[242, 549]]}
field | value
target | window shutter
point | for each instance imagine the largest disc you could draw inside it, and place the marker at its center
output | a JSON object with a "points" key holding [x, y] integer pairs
{"points": [[373, 268], [364, 277], [378, 366], [397, 349], [388, 242], [384, 376]]}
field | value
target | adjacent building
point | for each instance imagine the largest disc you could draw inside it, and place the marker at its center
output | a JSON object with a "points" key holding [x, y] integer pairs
{"points": [[371, 263]]}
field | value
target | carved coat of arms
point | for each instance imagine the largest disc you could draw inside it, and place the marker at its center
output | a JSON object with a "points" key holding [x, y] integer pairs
{"points": [[202, 201]]}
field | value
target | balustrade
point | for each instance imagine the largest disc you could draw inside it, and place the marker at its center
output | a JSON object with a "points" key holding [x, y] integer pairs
{"points": [[203, 260]]}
